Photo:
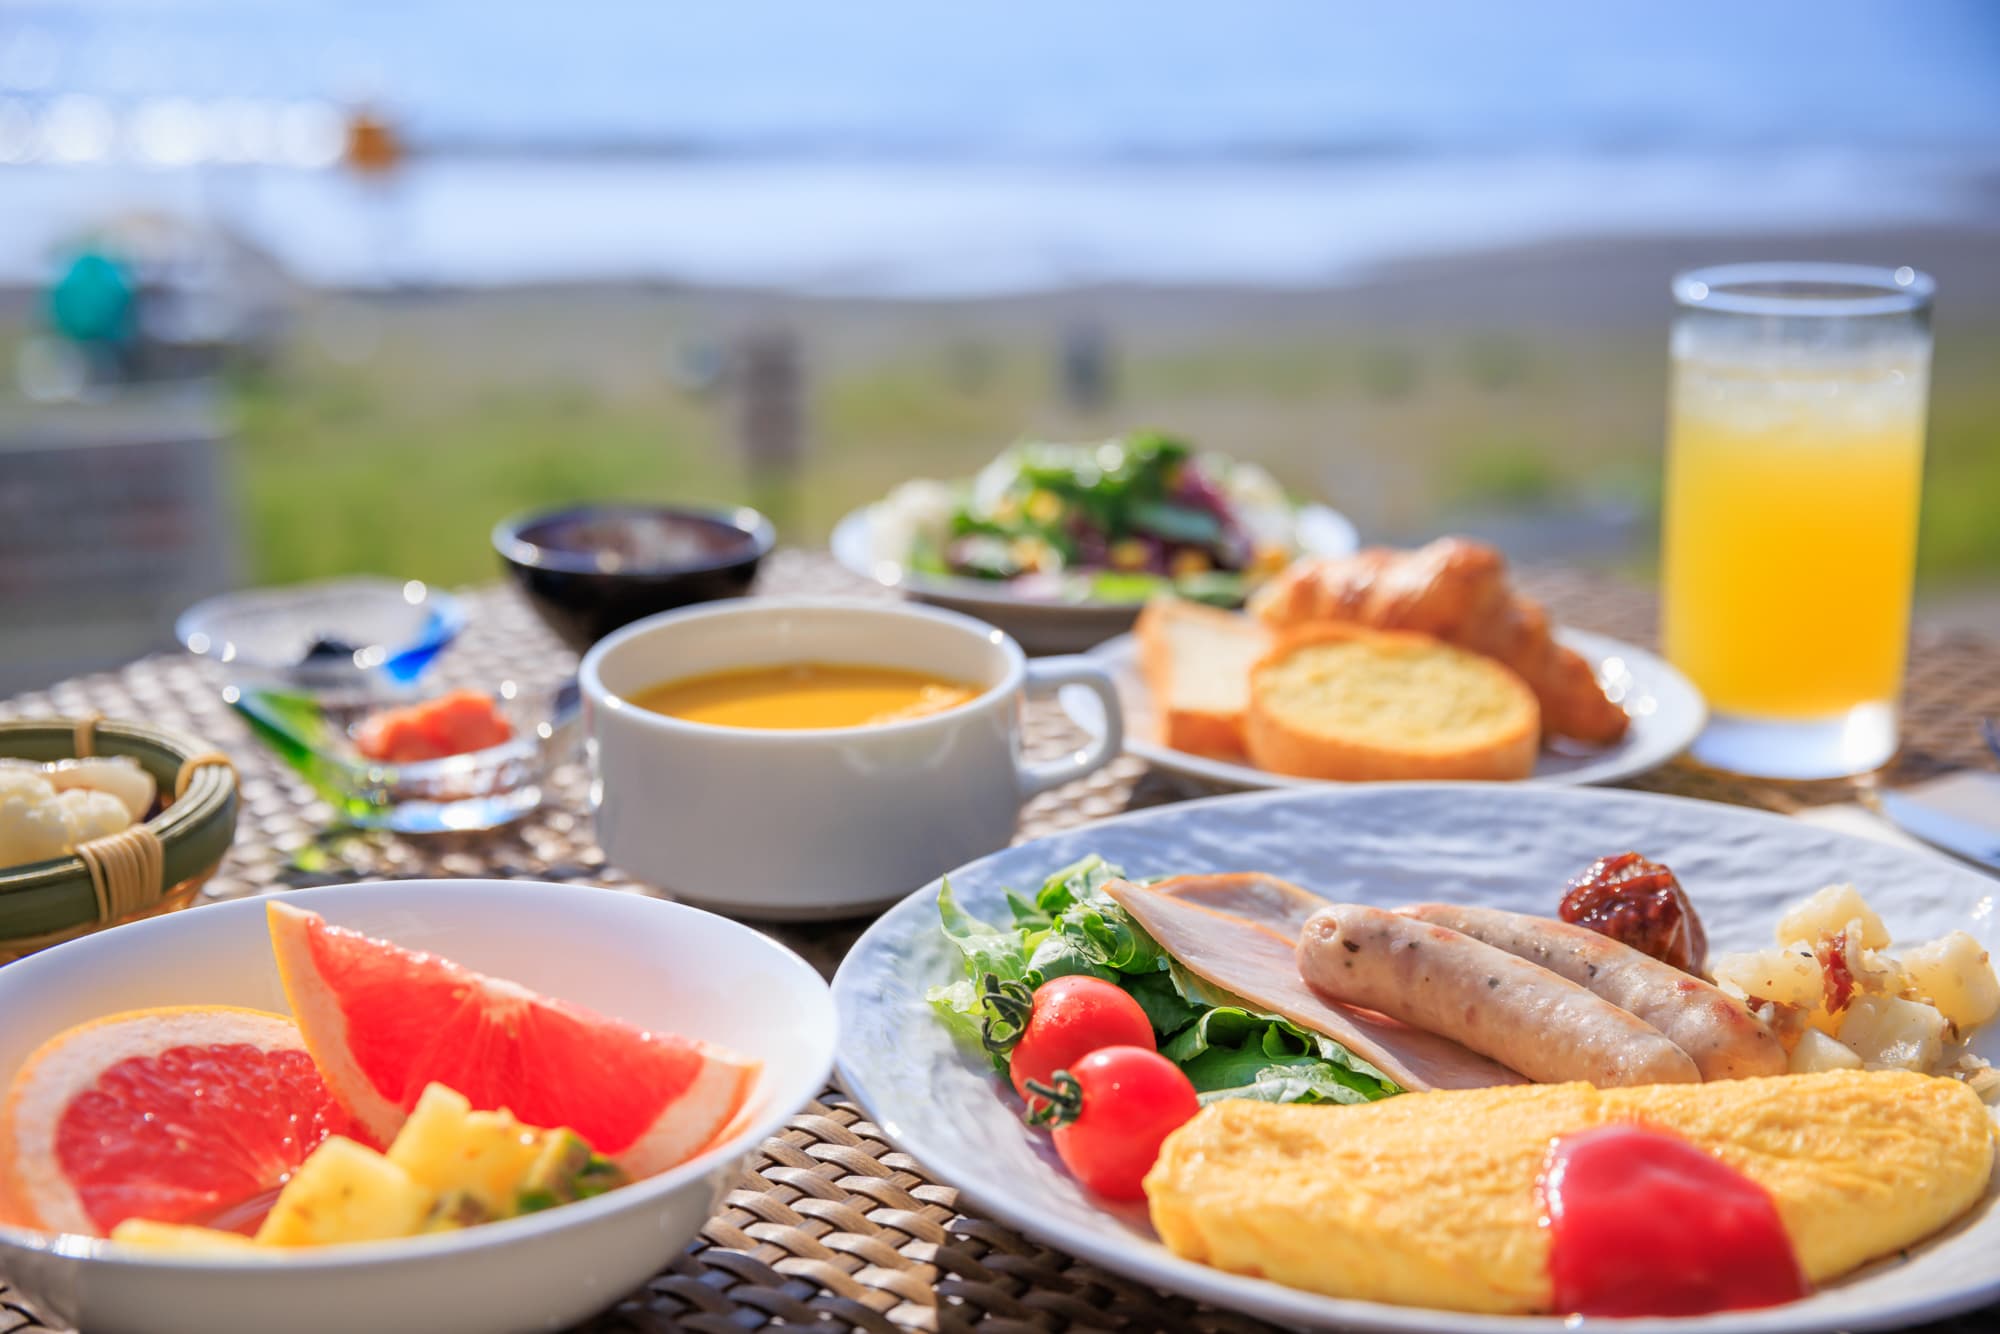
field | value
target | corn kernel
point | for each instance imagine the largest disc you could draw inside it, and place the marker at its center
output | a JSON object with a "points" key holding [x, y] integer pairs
{"points": [[1130, 554], [1030, 553], [1188, 563]]}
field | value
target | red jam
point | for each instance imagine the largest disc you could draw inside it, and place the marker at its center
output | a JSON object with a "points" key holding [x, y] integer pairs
{"points": [[1641, 1223]]}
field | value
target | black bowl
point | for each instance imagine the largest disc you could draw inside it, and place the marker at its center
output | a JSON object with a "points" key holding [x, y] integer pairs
{"points": [[589, 569]]}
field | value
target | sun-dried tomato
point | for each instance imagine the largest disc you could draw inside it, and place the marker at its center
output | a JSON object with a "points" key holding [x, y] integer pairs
{"points": [[1639, 903], [1837, 975]]}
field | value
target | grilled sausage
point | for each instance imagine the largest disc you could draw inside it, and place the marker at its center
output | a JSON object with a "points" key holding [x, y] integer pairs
{"points": [[1717, 1030], [1519, 1013]]}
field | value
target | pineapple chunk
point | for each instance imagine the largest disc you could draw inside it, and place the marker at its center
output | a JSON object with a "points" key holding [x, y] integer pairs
{"points": [[346, 1192], [467, 1156], [1956, 974], [567, 1170], [456, 1211], [1789, 976], [1887, 1033], [1828, 912], [179, 1239], [1816, 1051]]}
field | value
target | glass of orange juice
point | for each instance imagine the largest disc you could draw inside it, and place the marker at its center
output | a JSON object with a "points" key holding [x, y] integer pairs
{"points": [[1794, 462]]}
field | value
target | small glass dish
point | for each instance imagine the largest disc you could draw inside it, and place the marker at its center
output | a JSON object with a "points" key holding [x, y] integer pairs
{"points": [[480, 789], [363, 634]]}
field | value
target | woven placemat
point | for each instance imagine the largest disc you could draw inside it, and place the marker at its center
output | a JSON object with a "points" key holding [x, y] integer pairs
{"points": [[829, 1225]]}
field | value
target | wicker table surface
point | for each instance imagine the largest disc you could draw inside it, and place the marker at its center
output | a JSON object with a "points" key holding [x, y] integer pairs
{"points": [[829, 1224]]}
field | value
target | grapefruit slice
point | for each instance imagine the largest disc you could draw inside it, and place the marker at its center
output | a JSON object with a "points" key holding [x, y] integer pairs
{"points": [[383, 1022], [175, 1115]]}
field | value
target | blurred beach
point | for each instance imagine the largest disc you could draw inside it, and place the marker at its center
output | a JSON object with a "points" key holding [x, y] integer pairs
{"points": [[1417, 265], [894, 149]]}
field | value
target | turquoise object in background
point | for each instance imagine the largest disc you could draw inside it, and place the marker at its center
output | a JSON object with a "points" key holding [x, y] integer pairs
{"points": [[95, 300]]}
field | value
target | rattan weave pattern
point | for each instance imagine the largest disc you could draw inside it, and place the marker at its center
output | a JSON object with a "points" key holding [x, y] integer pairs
{"points": [[830, 1226]]}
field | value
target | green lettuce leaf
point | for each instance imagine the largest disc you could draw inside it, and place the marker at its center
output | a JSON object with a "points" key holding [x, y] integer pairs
{"points": [[1300, 1080], [1218, 588], [1123, 585], [1232, 1052], [958, 1009], [987, 948], [1068, 950], [1073, 883], [1165, 1006], [1095, 929], [1177, 523], [1071, 926]]}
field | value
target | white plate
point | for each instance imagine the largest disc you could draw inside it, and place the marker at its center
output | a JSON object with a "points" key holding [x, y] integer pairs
{"points": [[1480, 843], [1042, 625], [660, 965], [1667, 714]]}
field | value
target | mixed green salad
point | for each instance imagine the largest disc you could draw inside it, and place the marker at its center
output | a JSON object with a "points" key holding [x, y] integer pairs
{"points": [[1113, 521], [1072, 926]]}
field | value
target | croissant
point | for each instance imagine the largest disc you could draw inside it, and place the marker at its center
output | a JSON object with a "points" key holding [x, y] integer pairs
{"points": [[1457, 590]]}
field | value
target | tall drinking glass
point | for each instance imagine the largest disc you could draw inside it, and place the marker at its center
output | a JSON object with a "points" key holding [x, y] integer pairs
{"points": [[1794, 462]]}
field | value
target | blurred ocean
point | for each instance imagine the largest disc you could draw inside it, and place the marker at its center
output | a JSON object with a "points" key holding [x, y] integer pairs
{"points": [[919, 148]]}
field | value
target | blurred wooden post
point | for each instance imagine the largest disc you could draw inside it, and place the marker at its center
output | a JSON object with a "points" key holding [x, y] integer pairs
{"points": [[1086, 368], [769, 383]]}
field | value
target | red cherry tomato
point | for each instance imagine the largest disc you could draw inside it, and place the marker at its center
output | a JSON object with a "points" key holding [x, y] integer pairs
{"points": [[1071, 1018], [1112, 1110]]}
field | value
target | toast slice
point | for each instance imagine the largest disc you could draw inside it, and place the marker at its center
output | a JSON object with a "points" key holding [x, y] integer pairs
{"points": [[1197, 661], [1341, 702]]}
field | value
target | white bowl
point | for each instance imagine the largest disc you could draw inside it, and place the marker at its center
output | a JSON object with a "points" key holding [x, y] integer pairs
{"points": [[658, 965]]}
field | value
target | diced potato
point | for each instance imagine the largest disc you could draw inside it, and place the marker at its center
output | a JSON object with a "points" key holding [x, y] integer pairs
{"points": [[1789, 976], [1816, 1051], [179, 1239], [1888, 1033], [346, 1192], [463, 1154], [1828, 912], [1956, 974], [1878, 973]]}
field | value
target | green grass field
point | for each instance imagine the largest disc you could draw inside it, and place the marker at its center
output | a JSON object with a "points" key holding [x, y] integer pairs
{"points": [[396, 450]]}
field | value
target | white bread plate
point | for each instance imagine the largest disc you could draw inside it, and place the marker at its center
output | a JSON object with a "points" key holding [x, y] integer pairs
{"points": [[1667, 714]]}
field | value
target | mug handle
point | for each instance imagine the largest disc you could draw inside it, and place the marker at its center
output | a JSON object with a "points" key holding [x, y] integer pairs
{"points": [[1046, 676]]}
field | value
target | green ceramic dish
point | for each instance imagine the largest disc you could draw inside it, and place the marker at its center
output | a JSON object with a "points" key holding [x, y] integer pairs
{"points": [[55, 896]]}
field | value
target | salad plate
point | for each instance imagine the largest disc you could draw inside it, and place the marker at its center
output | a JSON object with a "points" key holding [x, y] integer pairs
{"points": [[1667, 714], [1059, 545], [1483, 845]]}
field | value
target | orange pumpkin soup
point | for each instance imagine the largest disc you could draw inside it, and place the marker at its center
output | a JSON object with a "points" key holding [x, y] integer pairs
{"points": [[793, 696]]}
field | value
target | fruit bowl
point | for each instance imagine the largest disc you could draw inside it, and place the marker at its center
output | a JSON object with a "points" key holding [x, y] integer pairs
{"points": [[654, 964]]}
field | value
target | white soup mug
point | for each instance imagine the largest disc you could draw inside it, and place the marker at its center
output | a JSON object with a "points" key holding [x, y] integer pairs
{"points": [[817, 822]]}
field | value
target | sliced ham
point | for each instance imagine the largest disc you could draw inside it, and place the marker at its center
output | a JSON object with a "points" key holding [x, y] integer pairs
{"points": [[1258, 965], [1264, 899]]}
